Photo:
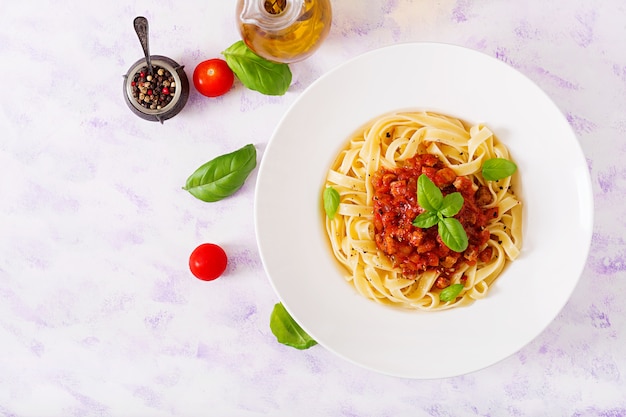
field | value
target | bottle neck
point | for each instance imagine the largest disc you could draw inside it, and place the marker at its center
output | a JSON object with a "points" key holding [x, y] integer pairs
{"points": [[271, 14]]}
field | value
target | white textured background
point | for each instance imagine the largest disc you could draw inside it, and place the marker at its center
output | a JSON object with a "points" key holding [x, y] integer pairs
{"points": [[99, 315]]}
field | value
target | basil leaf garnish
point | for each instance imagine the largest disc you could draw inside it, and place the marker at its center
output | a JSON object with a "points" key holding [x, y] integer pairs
{"points": [[450, 292], [439, 211], [452, 204], [498, 168], [331, 201], [257, 73], [428, 194], [222, 176], [287, 331], [426, 219], [452, 234]]}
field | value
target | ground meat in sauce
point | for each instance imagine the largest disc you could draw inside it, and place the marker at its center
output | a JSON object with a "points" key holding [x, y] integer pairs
{"points": [[416, 250]]}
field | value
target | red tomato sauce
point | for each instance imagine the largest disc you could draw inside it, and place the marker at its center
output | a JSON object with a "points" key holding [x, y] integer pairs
{"points": [[415, 250]]}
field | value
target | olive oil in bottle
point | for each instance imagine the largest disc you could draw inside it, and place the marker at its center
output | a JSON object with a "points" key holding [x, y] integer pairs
{"points": [[284, 30]]}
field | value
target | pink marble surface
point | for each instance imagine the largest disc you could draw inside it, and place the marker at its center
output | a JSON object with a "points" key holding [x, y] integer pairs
{"points": [[99, 315]]}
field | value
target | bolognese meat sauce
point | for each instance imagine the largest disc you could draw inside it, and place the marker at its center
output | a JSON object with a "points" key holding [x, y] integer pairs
{"points": [[415, 250]]}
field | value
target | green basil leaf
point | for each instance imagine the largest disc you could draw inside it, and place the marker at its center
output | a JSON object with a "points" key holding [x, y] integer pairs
{"points": [[331, 201], [426, 219], [498, 168], [452, 234], [450, 292], [222, 176], [429, 196], [287, 331], [257, 73], [452, 204]]}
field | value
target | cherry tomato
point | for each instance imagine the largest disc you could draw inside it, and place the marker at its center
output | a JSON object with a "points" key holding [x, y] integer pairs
{"points": [[208, 261], [213, 77]]}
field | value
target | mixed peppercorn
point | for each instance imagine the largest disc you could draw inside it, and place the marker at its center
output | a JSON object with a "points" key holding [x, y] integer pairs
{"points": [[154, 91]]}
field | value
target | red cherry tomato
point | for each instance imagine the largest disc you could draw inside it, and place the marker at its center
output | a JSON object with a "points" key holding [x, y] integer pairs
{"points": [[213, 77], [208, 261]]}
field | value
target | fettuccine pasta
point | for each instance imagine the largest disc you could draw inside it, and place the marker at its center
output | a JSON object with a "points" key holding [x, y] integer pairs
{"points": [[389, 143]]}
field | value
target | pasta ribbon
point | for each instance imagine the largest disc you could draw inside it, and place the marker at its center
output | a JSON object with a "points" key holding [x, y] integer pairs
{"points": [[387, 142]]}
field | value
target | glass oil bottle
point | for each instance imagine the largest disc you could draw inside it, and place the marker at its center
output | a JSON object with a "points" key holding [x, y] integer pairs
{"points": [[284, 30]]}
